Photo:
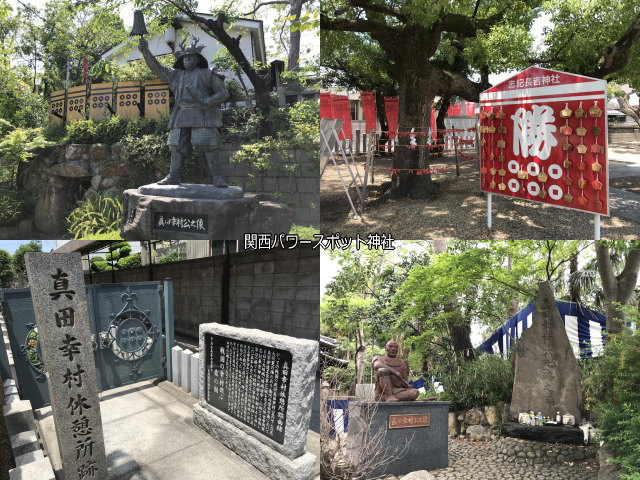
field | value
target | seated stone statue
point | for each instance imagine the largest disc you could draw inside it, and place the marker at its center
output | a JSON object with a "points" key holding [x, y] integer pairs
{"points": [[392, 377]]}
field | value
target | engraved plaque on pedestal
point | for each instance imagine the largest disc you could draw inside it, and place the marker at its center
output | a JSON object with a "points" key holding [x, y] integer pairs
{"points": [[250, 382]]}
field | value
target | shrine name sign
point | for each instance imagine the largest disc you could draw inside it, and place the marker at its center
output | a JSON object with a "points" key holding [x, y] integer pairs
{"points": [[543, 137]]}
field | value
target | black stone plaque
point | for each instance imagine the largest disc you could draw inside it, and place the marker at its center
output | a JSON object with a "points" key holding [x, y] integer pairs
{"points": [[250, 382], [181, 222]]}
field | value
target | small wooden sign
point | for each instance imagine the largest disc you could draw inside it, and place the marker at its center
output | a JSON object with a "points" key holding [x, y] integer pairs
{"points": [[409, 420]]}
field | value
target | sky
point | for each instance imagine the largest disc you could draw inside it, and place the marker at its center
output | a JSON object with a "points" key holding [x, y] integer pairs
{"points": [[12, 245]]}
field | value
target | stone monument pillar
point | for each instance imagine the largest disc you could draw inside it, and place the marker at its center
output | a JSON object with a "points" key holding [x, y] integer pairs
{"points": [[547, 376], [62, 317], [256, 394]]}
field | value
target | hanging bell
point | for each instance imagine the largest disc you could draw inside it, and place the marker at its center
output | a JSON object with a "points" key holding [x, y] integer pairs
{"points": [[139, 28]]}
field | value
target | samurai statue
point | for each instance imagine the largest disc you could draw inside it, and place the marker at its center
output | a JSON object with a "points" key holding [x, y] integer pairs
{"points": [[195, 118]]}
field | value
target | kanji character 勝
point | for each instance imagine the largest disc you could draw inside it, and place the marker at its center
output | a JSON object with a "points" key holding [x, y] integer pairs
{"points": [[533, 132]]}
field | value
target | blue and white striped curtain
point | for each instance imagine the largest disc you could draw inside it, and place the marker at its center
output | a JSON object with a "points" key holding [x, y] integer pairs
{"points": [[585, 329]]}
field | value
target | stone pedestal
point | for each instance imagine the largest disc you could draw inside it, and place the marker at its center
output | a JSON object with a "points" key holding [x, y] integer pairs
{"points": [[256, 391], [199, 212], [395, 438]]}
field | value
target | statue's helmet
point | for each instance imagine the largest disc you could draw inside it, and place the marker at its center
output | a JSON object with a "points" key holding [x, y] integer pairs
{"points": [[195, 49]]}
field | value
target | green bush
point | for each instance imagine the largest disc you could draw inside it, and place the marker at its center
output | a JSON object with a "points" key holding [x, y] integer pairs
{"points": [[11, 207], [613, 385], [483, 381], [82, 131], [17, 146], [96, 215], [341, 379], [145, 158], [304, 233], [174, 255], [110, 131], [99, 264], [130, 261], [112, 256], [55, 132]]}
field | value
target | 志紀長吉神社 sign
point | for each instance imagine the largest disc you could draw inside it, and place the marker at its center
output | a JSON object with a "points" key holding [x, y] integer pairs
{"points": [[62, 316], [543, 137]]}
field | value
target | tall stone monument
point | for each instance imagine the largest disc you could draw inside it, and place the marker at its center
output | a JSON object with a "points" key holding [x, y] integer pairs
{"points": [[547, 375], [256, 394], [62, 317]]}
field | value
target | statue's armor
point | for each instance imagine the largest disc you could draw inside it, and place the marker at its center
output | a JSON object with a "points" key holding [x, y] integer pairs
{"points": [[204, 83]]}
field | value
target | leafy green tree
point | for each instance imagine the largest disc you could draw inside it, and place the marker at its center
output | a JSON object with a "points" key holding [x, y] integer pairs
{"points": [[6, 269], [435, 49], [619, 289], [19, 266]]}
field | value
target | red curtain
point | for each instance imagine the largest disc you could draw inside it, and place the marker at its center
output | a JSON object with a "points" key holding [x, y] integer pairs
{"points": [[342, 110], [391, 107], [369, 108]]}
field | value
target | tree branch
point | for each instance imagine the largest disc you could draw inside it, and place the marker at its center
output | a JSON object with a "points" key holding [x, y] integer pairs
{"points": [[273, 2], [616, 56], [350, 25], [385, 10]]}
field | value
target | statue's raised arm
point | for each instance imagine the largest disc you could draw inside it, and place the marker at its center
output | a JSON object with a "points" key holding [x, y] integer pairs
{"points": [[160, 70]]}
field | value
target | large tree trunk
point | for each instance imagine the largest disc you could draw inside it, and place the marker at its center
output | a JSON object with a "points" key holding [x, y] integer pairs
{"points": [[294, 37], [417, 91], [618, 289]]}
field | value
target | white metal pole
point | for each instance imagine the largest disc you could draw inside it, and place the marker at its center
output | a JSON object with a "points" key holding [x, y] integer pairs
{"points": [[596, 226], [489, 198]]}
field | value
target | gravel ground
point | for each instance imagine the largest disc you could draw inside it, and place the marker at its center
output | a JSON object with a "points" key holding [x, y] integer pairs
{"points": [[630, 184], [460, 212], [477, 460]]}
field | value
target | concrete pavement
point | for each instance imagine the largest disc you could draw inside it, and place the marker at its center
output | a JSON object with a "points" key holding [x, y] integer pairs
{"points": [[149, 435], [624, 163]]}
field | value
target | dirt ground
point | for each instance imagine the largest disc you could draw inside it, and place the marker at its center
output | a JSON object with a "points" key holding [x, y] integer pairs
{"points": [[460, 212]]}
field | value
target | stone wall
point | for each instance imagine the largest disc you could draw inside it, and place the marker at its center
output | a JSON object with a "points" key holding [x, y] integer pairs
{"points": [[531, 452], [57, 177], [623, 133], [276, 291]]}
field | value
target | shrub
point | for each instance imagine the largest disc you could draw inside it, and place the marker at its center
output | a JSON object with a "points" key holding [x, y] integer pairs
{"points": [[173, 255], [483, 381], [110, 131], [17, 146], [82, 131], [305, 233], [112, 256], [11, 207], [341, 379], [95, 215], [130, 261], [614, 382]]}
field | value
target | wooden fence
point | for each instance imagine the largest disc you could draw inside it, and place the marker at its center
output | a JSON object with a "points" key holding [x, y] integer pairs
{"points": [[96, 101]]}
